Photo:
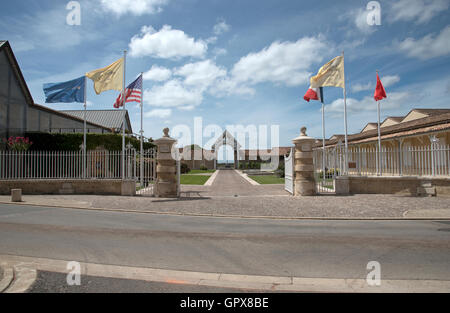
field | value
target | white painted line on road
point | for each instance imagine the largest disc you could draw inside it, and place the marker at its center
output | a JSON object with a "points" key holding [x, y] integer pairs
{"points": [[210, 181], [238, 281], [245, 176]]}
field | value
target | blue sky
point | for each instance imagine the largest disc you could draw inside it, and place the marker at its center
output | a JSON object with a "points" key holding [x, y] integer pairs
{"points": [[240, 62]]}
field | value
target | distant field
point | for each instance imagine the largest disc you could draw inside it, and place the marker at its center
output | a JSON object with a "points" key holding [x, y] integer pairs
{"points": [[187, 179], [267, 179]]}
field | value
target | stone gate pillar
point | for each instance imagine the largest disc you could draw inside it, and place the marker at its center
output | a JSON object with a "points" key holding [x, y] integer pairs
{"points": [[166, 185], [304, 184]]}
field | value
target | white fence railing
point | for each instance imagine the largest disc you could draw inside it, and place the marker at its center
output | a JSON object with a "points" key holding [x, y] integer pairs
{"points": [[100, 164], [431, 160]]}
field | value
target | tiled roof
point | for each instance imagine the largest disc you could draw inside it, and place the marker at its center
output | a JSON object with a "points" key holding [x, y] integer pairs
{"points": [[433, 122], [273, 151], [397, 119], [107, 118], [432, 111], [66, 115], [370, 124]]}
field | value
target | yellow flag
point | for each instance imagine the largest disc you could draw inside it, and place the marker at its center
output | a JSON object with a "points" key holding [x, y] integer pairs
{"points": [[331, 74], [108, 78]]}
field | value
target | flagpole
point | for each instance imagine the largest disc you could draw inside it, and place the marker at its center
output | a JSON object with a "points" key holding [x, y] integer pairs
{"points": [[141, 159], [124, 114], [379, 172], [323, 133], [84, 129], [345, 119]]}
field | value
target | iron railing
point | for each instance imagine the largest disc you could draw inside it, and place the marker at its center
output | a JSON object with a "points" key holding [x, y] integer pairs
{"points": [[99, 164], [429, 160]]}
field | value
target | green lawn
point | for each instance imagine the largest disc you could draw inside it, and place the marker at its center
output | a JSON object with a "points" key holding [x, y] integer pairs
{"points": [[201, 171], [267, 179], [187, 179]]}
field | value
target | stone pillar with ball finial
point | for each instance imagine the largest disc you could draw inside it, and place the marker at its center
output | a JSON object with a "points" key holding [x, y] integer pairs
{"points": [[304, 184], [166, 185]]}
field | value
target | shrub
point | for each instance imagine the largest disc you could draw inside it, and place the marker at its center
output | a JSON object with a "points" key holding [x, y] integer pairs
{"points": [[329, 173], [72, 142], [255, 165], [18, 143], [203, 168], [184, 168], [280, 171]]}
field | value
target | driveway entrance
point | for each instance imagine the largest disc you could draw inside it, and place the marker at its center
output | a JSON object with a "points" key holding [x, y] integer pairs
{"points": [[230, 183]]}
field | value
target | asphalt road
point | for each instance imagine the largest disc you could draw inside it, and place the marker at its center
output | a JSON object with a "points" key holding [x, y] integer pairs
{"points": [[328, 249], [49, 282]]}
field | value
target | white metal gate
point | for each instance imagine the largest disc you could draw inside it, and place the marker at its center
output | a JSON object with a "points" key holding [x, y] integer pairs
{"points": [[326, 168], [148, 178], [289, 172]]}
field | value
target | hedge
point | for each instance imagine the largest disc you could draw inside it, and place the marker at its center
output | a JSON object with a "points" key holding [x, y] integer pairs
{"points": [[71, 142]]}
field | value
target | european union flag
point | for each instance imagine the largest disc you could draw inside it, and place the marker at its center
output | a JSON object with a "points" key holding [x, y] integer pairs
{"points": [[67, 92]]}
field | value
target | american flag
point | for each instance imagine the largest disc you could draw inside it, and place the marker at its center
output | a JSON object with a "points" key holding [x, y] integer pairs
{"points": [[133, 93]]}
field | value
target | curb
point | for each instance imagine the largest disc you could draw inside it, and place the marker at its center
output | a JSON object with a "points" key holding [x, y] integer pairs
{"points": [[211, 179], [238, 281], [17, 279], [24, 277], [8, 276], [331, 218], [245, 176]]}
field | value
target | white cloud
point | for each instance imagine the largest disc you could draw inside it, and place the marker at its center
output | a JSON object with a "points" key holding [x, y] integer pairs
{"points": [[219, 51], [227, 86], [135, 7], [282, 62], [221, 27], [44, 29], [201, 74], [187, 108], [211, 40], [393, 101], [172, 94], [361, 87], [360, 19], [427, 47], [167, 43], [158, 74], [420, 11], [161, 113], [387, 81]]}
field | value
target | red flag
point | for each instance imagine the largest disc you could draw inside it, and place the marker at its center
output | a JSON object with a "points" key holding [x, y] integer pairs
{"points": [[380, 93], [311, 94]]}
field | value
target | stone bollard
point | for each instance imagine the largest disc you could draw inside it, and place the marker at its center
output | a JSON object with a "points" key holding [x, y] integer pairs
{"points": [[304, 184], [166, 185], [342, 185], [16, 195]]}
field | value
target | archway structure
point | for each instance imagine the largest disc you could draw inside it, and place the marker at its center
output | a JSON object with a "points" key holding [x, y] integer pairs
{"points": [[227, 139]]}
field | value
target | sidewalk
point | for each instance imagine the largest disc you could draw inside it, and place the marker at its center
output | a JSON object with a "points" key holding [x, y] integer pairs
{"points": [[194, 201], [224, 280]]}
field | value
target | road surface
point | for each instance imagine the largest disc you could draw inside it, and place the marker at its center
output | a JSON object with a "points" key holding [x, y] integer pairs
{"points": [[301, 248]]}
